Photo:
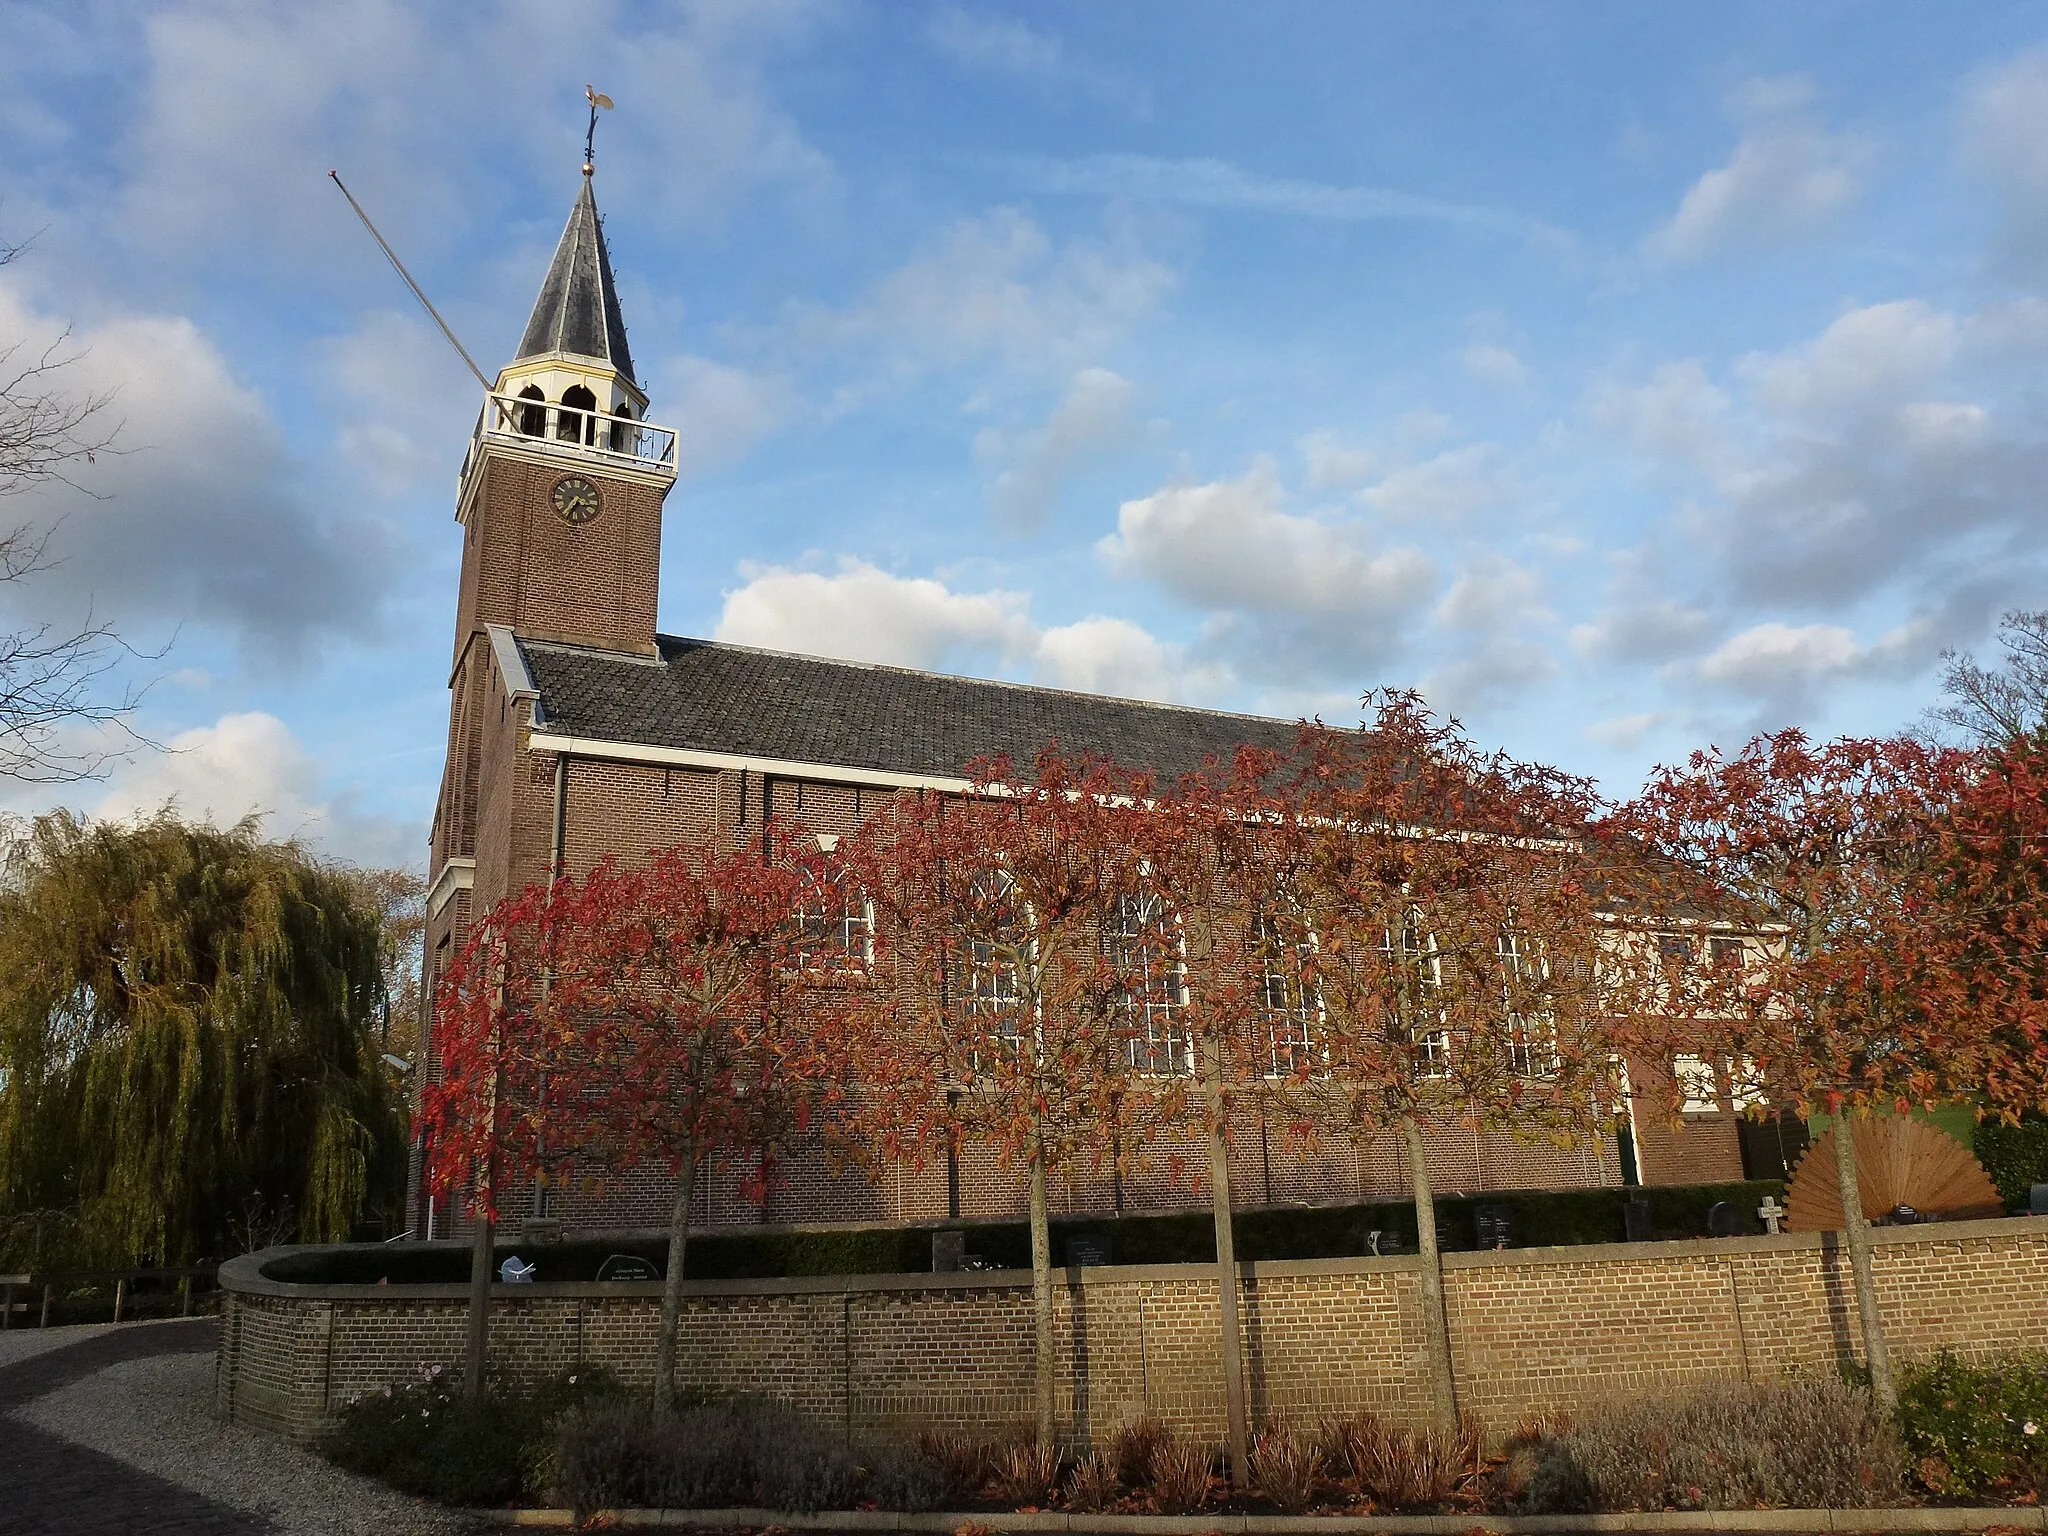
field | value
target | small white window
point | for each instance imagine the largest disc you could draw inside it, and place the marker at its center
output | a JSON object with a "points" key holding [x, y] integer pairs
{"points": [[1695, 1078], [1144, 942]]}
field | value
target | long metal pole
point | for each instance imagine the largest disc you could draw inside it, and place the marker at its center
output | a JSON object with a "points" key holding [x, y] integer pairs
{"points": [[399, 267]]}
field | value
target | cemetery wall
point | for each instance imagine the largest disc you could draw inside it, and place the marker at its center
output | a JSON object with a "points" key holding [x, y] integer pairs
{"points": [[1536, 1331]]}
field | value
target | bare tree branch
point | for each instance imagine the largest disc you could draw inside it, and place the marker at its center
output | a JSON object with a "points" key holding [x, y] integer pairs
{"points": [[1994, 705], [59, 720]]}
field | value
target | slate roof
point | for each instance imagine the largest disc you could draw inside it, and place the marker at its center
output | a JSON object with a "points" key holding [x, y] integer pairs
{"points": [[707, 696], [578, 308]]}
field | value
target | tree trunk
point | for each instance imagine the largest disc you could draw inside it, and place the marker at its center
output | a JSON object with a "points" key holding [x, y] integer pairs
{"points": [[1857, 1230], [672, 1280], [1239, 1427], [1041, 1296], [1443, 1382], [480, 1255]]}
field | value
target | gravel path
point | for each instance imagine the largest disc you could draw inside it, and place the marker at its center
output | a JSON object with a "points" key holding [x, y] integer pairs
{"points": [[18, 1344], [157, 1415]]}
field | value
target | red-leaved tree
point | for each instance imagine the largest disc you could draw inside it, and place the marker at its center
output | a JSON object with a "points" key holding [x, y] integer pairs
{"points": [[635, 1016], [1830, 956], [1000, 1013]]}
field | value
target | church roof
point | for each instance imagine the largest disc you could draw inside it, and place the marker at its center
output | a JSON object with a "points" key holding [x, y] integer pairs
{"points": [[710, 697], [578, 308]]}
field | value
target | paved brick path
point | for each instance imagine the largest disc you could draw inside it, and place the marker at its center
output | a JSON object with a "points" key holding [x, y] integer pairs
{"points": [[54, 1488]]}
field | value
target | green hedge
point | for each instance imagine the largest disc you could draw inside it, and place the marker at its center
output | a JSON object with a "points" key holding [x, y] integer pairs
{"points": [[2016, 1156], [1539, 1218]]}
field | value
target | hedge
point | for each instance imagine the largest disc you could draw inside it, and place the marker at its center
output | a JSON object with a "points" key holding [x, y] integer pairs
{"points": [[1537, 1218]]}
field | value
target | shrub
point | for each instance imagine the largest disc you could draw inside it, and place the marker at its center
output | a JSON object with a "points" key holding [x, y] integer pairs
{"points": [[1403, 1468], [1180, 1475], [1131, 1447], [1972, 1428], [745, 1451], [1815, 1442], [1284, 1468], [427, 1439], [971, 1464], [2016, 1156], [1027, 1473], [898, 1476], [1094, 1485]]}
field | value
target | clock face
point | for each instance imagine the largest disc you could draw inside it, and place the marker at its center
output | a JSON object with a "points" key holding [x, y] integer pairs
{"points": [[576, 499]]}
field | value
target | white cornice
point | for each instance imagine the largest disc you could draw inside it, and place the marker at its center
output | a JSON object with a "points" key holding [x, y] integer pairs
{"points": [[777, 767], [457, 874], [511, 665]]}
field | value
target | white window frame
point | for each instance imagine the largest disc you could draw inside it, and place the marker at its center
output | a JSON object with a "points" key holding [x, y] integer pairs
{"points": [[1168, 1047]]}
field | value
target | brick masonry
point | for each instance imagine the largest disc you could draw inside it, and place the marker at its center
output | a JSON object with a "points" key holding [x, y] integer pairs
{"points": [[1537, 1331]]}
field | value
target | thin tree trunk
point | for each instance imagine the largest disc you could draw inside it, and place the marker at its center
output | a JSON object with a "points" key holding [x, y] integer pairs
{"points": [[1041, 1295], [672, 1280], [1235, 1417], [1857, 1230], [480, 1256], [1443, 1381]]}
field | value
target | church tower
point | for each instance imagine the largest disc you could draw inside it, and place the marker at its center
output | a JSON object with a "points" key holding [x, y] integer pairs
{"points": [[560, 502]]}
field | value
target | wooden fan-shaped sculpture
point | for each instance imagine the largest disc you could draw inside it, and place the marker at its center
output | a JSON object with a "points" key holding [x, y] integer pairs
{"points": [[1899, 1161]]}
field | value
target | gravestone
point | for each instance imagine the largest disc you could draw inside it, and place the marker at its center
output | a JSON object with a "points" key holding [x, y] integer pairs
{"points": [[1493, 1226], [1380, 1242], [627, 1268], [516, 1271], [1724, 1219], [2037, 1200], [1088, 1250], [1635, 1220], [949, 1252]]}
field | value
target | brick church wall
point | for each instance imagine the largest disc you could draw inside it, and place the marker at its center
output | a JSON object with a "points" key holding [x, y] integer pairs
{"points": [[1541, 1331]]}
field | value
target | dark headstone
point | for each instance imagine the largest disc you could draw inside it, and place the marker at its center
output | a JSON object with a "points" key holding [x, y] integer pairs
{"points": [[626, 1269], [949, 1252], [2037, 1200], [1725, 1220], [1493, 1226], [1088, 1250], [1635, 1220]]}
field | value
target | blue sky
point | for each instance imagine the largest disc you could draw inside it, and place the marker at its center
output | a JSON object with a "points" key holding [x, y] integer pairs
{"points": [[1629, 378]]}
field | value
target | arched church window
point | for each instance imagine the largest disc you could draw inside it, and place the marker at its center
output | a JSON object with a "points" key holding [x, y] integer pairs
{"points": [[572, 424], [621, 433], [532, 419]]}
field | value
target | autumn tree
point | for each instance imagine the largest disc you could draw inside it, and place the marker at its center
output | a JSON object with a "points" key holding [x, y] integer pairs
{"points": [[1439, 909], [1853, 998], [1224, 961], [1001, 1013], [634, 1016], [188, 1027]]}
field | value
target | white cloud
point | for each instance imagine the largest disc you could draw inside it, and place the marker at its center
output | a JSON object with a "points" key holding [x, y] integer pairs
{"points": [[863, 613], [994, 288], [1211, 183], [1787, 177], [1229, 544], [1117, 657], [1497, 365], [721, 411], [252, 765], [1004, 46], [408, 399], [2005, 136], [1330, 461], [1624, 733], [200, 518], [1498, 627], [1445, 490], [1093, 417]]}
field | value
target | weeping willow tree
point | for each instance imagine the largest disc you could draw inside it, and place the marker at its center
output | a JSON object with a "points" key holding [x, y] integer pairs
{"points": [[188, 1038]]}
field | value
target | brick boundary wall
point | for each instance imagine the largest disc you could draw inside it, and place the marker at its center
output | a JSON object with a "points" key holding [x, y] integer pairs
{"points": [[1534, 1331]]}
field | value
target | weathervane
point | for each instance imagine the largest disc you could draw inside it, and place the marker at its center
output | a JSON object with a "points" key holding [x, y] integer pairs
{"points": [[597, 99]]}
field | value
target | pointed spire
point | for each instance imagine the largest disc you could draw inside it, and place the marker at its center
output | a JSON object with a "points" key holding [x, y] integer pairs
{"points": [[578, 308]]}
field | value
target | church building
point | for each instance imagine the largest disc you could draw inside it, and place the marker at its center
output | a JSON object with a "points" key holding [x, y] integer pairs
{"points": [[578, 731]]}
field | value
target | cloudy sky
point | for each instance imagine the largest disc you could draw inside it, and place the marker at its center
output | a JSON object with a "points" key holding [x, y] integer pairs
{"points": [[1628, 377]]}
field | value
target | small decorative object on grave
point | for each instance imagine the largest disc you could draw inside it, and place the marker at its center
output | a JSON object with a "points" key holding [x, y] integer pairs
{"points": [[1770, 1213], [626, 1268], [1088, 1250], [1494, 1226], [516, 1271], [949, 1252], [1635, 1220]]}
